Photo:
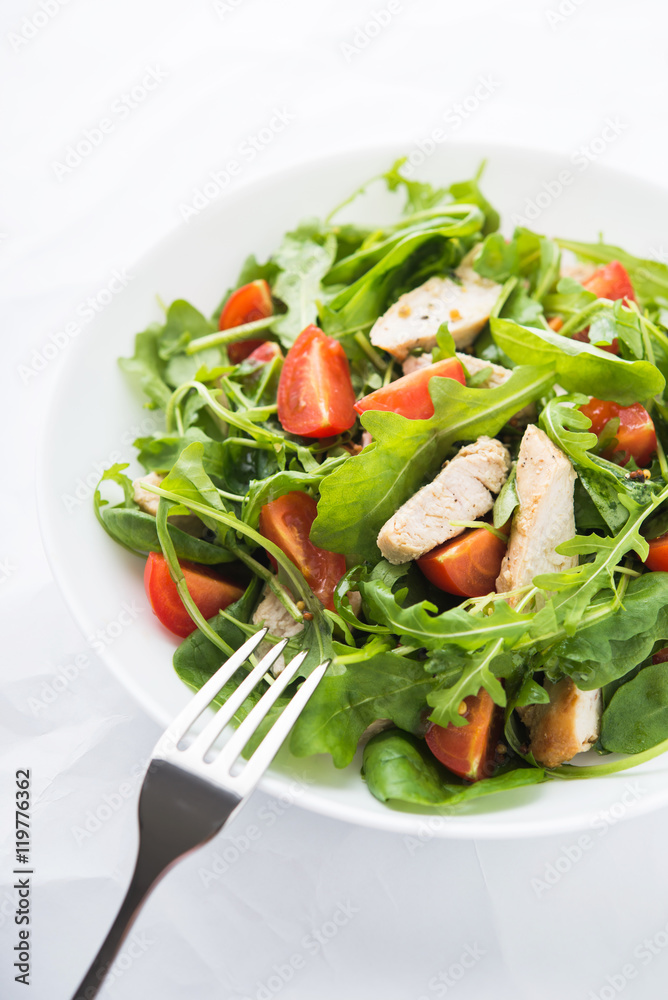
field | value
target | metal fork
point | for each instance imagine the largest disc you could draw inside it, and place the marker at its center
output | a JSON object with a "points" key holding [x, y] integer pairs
{"points": [[185, 800]]}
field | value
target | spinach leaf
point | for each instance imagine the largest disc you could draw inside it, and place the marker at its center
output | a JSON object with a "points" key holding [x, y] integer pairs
{"points": [[352, 696], [357, 499], [399, 768], [637, 717], [580, 367], [137, 531], [609, 649]]}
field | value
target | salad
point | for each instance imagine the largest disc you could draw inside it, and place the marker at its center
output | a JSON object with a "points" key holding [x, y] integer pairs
{"points": [[434, 456]]}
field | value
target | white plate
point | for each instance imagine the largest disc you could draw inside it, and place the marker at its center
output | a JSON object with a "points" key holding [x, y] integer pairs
{"points": [[95, 415]]}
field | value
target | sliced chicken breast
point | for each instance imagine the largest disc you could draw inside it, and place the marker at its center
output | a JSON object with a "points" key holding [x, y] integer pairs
{"points": [[462, 491], [271, 613], [569, 725], [497, 376], [148, 502], [413, 321], [545, 516]]}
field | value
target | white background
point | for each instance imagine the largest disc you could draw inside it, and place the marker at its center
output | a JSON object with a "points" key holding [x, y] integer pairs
{"points": [[550, 918]]}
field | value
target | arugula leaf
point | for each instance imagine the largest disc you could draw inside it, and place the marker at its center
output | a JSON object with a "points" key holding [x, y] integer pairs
{"points": [[637, 717], [148, 368], [648, 277], [357, 499], [400, 768], [159, 452], [347, 701], [580, 367], [184, 323], [304, 258], [568, 428], [607, 650]]}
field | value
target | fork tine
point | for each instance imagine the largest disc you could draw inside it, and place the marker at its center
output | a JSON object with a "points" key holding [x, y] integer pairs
{"points": [[225, 713], [205, 696], [245, 730], [271, 744]]}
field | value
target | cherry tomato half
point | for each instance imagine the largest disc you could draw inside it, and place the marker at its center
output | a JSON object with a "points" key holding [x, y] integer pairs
{"points": [[657, 560], [409, 395], [467, 565], [246, 304], [636, 436], [609, 282], [208, 589], [267, 351], [316, 398], [287, 522], [468, 751]]}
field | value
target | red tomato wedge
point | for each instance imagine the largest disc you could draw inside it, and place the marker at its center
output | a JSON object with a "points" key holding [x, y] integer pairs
{"points": [[287, 522], [609, 282], [248, 303], [657, 560], [208, 589], [267, 351], [409, 395], [316, 398], [636, 435], [467, 565], [468, 751]]}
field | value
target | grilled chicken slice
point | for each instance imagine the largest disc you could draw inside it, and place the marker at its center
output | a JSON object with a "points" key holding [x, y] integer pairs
{"points": [[544, 519], [567, 726], [413, 321], [497, 376], [279, 621], [148, 502], [545, 516], [462, 491]]}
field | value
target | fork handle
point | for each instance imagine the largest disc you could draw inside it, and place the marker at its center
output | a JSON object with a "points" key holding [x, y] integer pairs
{"points": [[139, 888]]}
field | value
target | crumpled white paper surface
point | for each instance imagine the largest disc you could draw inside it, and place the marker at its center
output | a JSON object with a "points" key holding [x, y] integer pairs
{"points": [[283, 903]]}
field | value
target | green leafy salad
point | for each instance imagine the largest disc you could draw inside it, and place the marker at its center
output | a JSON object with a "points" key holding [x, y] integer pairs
{"points": [[486, 619]]}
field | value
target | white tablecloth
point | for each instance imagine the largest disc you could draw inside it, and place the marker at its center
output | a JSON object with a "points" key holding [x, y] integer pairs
{"points": [[114, 114]]}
